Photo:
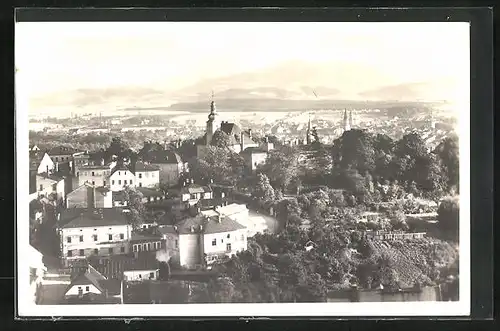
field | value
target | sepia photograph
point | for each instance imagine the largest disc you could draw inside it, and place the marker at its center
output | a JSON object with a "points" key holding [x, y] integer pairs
{"points": [[242, 168]]}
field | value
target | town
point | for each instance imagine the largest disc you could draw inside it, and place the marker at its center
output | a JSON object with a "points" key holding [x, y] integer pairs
{"points": [[322, 212]]}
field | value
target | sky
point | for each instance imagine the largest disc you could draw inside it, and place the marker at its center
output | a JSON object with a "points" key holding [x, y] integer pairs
{"points": [[54, 57]]}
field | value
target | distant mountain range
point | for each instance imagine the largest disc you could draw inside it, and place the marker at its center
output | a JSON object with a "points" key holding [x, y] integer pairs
{"points": [[294, 85]]}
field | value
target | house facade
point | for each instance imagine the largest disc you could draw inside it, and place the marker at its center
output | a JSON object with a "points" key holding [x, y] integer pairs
{"points": [[170, 165], [146, 175], [99, 232], [93, 174], [193, 194], [89, 196], [121, 177], [46, 185], [254, 157], [202, 240], [41, 163]]}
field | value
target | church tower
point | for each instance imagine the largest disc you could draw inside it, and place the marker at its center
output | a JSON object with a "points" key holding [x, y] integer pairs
{"points": [[347, 127], [308, 132], [212, 122]]}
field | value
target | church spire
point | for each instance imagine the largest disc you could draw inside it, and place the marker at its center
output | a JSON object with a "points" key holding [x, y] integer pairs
{"points": [[346, 123], [308, 132], [350, 119]]}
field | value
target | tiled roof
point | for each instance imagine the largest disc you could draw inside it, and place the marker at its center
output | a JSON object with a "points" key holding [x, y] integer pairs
{"points": [[148, 192], [207, 225], [195, 188], [120, 167], [141, 166], [164, 157], [89, 276], [62, 150], [82, 217], [145, 237], [94, 167]]}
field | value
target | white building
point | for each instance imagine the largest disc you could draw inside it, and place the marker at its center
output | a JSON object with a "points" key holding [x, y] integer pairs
{"points": [[203, 240], [45, 185], [90, 285], [193, 194], [141, 269], [170, 165], [121, 177], [146, 175], [100, 232], [41, 163], [93, 174], [37, 271]]}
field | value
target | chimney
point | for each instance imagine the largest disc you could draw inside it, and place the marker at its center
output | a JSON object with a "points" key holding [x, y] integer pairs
{"points": [[250, 132]]}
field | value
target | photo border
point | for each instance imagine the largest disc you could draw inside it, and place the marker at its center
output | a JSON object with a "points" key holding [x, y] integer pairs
{"points": [[481, 93]]}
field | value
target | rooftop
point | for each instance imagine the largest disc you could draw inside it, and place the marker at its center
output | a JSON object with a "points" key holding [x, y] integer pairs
{"points": [[202, 223], [62, 150], [232, 209], [164, 157], [148, 192], [83, 217], [195, 188], [141, 166]]}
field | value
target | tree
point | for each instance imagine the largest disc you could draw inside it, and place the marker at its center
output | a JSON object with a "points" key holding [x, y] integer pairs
{"points": [[315, 136], [354, 150], [448, 152], [448, 217], [221, 139], [117, 147], [137, 213], [281, 167], [218, 164], [263, 190]]}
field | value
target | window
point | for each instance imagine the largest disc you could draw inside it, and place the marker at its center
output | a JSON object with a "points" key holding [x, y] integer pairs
{"points": [[147, 174], [140, 184], [151, 246], [93, 182], [113, 182], [68, 239], [70, 253], [131, 182], [104, 183], [96, 251], [214, 242], [140, 276], [140, 175], [177, 244], [81, 238], [157, 245], [110, 250], [93, 174], [139, 248], [77, 173], [80, 291], [151, 275], [119, 173], [242, 237], [228, 236], [134, 248], [228, 247], [122, 249], [119, 181], [122, 236], [125, 182], [87, 288], [57, 159], [41, 187], [82, 252], [110, 237], [192, 196], [95, 237], [152, 175]]}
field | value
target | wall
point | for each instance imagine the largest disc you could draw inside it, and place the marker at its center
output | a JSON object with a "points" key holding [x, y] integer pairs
{"points": [[74, 290], [254, 159], [62, 158], [60, 189], [172, 246], [237, 239], [79, 198], [102, 243], [45, 163], [189, 249], [140, 275], [99, 178], [169, 173], [147, 178], [117, 180]]}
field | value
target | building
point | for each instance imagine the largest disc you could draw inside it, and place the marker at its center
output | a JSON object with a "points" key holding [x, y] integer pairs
{"points": [[98, 232], [81, 160], [41, 163], [93, 174], [89, 196], [146, 175], [37, 271], [194, 194], [254, 156], [48, 184], [393, 235], [121, 177], [146, 242], [34, 148], [170, 165], [142, 269], [90, 286], [202, 240], [63, 154], [238, 139], [151, 195]]}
